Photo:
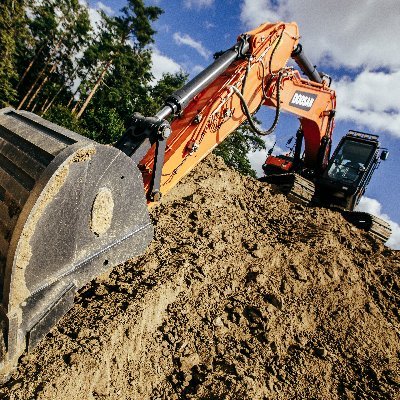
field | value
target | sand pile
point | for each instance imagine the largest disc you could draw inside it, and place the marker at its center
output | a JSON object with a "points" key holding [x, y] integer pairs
{"points": [[242, 295]]}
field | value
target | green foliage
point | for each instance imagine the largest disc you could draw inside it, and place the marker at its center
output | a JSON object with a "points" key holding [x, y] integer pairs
{"points": [[114, 71], [61, 115], [168, 84], [116, 64], [135, 23], [43, 56], [126, 88], [11, 28], [235, 148], [46, 59], [103, 125]]}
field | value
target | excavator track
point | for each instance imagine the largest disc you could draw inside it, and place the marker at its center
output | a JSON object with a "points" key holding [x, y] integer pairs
{"points": [[375, 226], [302, 191], [295, 187]]}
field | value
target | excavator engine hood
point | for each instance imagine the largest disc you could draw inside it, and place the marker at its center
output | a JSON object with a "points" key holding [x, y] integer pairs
{"points": [[70, 209]]}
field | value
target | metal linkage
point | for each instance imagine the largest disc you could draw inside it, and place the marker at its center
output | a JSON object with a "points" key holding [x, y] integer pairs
{"points": [[142, 133]]}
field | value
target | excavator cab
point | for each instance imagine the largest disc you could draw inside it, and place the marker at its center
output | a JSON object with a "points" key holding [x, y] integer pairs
{"points": [[349, 170], [350, 162]]}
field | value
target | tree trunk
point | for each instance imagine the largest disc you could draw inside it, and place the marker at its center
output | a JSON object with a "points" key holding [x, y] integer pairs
{"points": [[28, 68], [94, 89], [71, 99], [34, 106], [44, 105], [38, 77], [46, 78], [75, 106], [52, 100], [73, 96]]}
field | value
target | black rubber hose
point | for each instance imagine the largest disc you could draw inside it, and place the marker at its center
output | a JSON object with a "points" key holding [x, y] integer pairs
{"points": [[245, 108], [249, 116]]}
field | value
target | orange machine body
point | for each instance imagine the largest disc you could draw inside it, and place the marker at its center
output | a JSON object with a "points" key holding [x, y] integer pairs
{"points": [[217, 111]]}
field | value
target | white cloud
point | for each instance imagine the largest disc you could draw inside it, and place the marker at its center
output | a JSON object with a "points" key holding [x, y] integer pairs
{"points": [[95, 18], [345, 32], [255, 12], [371, 99], [164, 28], [162, 64], [197, 69], [94, 15], [373, 207], [209, 25], [198, 3], [185, 39], [108, 10]]}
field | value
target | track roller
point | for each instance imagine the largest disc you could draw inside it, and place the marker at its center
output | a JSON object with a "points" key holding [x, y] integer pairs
{"points": [[375, 226], [296, 188]]}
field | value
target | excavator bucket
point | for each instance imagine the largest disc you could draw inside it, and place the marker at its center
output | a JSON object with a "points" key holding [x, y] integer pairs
{"points": [[70, 208]]}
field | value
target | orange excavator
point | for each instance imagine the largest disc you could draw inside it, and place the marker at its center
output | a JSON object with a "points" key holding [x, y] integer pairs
{"points": [[71, 208]]}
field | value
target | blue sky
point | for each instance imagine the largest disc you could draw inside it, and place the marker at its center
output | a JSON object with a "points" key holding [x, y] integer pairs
{"points": [[355, 42]]}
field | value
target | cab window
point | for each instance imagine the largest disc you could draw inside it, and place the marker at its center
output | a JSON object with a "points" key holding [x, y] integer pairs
{"points": [[350, 161]]}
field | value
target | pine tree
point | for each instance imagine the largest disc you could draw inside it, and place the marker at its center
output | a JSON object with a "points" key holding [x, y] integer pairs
{"points": [[120, 38], [11, 29], [60, 29]]}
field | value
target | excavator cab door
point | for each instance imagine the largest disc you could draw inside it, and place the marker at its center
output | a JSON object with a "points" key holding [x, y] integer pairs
{"points": [[349, 170], [350, 162]]}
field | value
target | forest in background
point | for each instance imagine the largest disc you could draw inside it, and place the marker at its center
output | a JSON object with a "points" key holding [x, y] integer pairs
{"points": [[91, 79]]}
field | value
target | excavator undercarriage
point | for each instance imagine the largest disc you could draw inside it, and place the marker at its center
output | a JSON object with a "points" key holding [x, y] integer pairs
{"points": [[302, 191], [375, 226], [296, 188], [339, 185]]}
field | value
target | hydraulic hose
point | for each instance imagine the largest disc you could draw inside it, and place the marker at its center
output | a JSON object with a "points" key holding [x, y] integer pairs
{"points": [[245, 108], [249, 117]]}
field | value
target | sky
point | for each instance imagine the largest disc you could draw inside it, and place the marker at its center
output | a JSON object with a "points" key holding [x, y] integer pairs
{"points": [[354, 42]]}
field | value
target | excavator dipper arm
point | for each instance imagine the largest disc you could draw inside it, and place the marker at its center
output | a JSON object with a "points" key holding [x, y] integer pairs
{"points": [[207, 110], [313, 103]]}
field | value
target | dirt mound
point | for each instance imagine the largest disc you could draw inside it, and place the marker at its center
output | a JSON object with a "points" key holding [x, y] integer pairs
{"points": [[241, 295]]}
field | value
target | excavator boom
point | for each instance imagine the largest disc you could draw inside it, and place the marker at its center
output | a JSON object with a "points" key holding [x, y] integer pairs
{"points": [[208, 108]]}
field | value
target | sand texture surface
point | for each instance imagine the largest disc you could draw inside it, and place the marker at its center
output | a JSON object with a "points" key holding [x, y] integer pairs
{"points": [[241, 295]]}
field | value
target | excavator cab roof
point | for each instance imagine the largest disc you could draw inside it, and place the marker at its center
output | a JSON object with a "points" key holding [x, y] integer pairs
{"points": [[363, 136]]}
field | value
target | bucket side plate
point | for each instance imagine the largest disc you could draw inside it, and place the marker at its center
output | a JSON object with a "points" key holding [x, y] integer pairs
{"points": [[83, 212]]}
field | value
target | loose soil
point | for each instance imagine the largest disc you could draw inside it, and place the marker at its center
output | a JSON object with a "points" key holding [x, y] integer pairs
{"points": [[242, 295]]}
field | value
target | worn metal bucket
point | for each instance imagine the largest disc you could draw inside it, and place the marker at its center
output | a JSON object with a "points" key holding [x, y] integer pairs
{"points": [[70, 208]]}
